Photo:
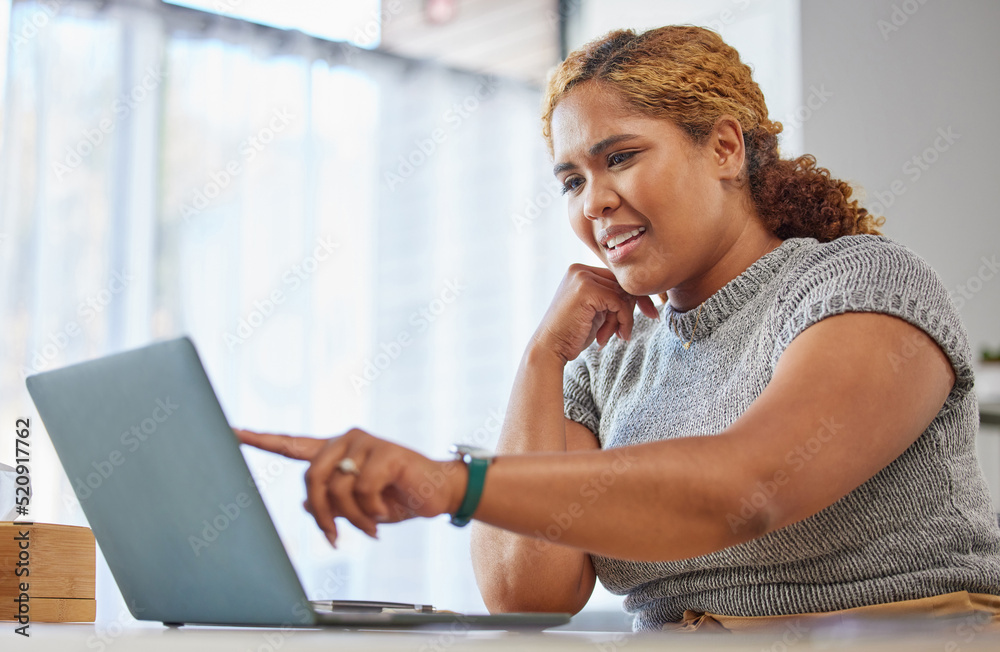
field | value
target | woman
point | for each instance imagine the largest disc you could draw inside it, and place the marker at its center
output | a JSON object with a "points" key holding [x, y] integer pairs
{"points": [[792, 432]]}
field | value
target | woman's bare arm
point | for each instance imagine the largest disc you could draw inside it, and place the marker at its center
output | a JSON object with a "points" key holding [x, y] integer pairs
{"points": [[839, 394], [524, 573], [837, 383]]}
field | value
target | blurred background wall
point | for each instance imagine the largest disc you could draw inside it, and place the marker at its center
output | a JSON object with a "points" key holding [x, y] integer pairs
{"points": [[908, 117], [353, 215]]}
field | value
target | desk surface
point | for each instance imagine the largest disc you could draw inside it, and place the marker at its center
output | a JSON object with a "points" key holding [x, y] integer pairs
{"points": [[70, 638]]}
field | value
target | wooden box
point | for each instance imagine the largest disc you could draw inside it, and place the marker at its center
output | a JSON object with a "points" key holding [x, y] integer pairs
{"points": [[57, 562]]}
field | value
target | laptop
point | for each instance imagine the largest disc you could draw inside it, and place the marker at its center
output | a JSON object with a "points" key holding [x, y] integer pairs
{"points": [[168, 495]]}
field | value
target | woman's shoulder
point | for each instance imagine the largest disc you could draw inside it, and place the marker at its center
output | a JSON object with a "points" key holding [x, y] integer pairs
{"points": [[867, 270], [857, 263], [857, 250], [868, 273]]}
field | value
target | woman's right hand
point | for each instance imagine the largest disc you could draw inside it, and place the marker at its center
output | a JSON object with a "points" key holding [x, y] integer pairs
{"points": [[589, 305]]}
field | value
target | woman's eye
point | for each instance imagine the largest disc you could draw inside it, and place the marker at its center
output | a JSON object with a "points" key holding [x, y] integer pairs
{"points": [[619, 157], [571, 184]]}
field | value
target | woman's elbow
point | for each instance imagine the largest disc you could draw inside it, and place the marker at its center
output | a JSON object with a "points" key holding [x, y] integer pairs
{"points": [[504, 591], [511, 601]]}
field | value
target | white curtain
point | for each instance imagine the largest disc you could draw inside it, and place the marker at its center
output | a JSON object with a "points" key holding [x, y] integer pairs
{"points": [[350, 239]]}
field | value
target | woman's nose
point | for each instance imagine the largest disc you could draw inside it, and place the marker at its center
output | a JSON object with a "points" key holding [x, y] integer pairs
{"points": [[599, 200]]}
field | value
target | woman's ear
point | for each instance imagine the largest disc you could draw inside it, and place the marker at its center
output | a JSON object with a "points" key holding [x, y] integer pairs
{"points": [[728, 151]]}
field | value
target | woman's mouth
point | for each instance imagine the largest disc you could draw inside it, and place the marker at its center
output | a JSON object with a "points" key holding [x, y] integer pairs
{"points": [[624, 244]]}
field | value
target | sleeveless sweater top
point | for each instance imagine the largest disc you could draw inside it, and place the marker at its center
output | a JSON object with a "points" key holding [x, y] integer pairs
{"points": [[922, 526]]}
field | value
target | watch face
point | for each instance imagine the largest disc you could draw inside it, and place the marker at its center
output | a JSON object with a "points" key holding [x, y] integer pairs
{"points": [[473, 451]]}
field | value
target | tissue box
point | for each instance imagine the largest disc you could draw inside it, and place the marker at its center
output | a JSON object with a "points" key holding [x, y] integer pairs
{"points": [[57, 562]]}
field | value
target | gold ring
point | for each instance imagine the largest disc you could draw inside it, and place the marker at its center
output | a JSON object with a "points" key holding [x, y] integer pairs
{"points": [[347, 465]]}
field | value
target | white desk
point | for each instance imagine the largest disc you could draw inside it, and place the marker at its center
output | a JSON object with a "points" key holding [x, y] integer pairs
{"points": [[73, 638]]}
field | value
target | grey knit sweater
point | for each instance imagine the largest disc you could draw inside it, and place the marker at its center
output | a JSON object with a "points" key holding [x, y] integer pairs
{"points": [[922, 526]]}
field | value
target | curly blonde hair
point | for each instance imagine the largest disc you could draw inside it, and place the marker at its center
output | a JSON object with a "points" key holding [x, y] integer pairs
{"points": [[690, 76]]}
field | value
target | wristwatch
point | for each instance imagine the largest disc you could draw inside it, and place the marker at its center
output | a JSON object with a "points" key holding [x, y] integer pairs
{"points": [[477, 460]]}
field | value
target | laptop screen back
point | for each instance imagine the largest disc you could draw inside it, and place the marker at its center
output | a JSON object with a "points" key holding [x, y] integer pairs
{"points": [[166, 491]]}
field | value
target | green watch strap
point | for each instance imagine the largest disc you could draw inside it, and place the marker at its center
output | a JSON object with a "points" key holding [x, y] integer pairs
{"points": [[473, 490]]}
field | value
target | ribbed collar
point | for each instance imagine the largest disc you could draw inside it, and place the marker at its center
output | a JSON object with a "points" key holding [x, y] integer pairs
{"points": [[732, 296]]}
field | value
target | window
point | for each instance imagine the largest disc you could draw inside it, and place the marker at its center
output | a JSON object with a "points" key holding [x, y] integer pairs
{"points": [[357, 21], [167, 173]]}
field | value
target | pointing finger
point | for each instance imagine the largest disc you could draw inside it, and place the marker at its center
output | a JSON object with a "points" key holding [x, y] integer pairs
{"points": [[298, 448]]}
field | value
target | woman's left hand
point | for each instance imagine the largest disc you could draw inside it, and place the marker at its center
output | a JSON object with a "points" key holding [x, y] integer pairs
{"points": [[391, 483]]}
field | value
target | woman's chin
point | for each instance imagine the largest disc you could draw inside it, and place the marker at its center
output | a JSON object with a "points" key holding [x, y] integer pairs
{"points": [[640, 289], [636, 286]]}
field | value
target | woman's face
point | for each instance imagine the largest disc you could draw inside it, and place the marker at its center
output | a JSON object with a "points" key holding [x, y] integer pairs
{"points": [[624, 173]]}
